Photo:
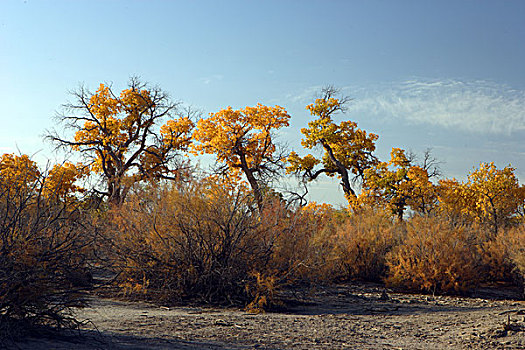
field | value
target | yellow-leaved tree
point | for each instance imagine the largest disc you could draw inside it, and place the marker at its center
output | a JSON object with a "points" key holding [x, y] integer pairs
{"points": [[134, 136], [399, 184], [243, 143], [347, 150], [490, 196], [61, 181], [18, 173]]}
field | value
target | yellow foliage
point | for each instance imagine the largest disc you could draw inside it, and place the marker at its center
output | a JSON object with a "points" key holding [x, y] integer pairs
{"points": [[116, 122], [436, 256], [349, 145], [18, 172], [323, 107], [233, 134], [322, 210], [490, 196], [176, 133], [297, 164], [397, 185], [122, 136], [22, 173], [60, 182], [346, 148], [242, 140]]}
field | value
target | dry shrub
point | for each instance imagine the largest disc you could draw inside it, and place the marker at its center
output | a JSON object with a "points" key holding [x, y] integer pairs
{"points": [[302, 253], [362, 243], [198, 241], [263, 291], [208, 243], [504, 256], [43, 265], [436, 257], [319, 244], [497, 259], [518, 257]]}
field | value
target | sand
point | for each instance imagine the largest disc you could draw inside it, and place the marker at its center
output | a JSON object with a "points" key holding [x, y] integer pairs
{"points": [[350, 316]]}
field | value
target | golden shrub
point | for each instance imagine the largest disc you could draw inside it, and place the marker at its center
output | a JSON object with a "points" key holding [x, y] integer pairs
{"points": [[263, 290], [436, 257], [362, 242], [302, 251], [504, 256], [195, 241]]}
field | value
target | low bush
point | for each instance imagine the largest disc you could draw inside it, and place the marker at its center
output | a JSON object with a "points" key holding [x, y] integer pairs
{"points": [[302, 253], [436, 256], [496, 253], [362, 243], [205, 242], [518, 257], [43, 261], [197, 241], [504, 256]]}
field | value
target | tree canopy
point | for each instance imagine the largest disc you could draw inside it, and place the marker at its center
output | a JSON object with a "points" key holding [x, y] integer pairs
{"points": [[243, 142], [399, 184], [347, 150], [136, 135], [490, 196]]}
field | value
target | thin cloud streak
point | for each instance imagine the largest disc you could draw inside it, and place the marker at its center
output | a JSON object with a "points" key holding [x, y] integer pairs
{"points": [[304, 96], [476, 106], [211, 79]]}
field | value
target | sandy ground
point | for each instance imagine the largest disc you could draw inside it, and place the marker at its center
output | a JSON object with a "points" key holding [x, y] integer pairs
{"points": [[341, 317]]}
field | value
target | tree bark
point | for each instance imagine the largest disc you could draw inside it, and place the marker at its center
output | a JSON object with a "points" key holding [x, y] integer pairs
{"points": [[341, 170], [253, 182]]}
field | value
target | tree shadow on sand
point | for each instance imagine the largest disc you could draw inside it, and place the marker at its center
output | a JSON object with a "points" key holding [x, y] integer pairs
{"points": [[84, 340]]}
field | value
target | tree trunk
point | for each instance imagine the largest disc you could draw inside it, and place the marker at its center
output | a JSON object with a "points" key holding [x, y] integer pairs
{"points": [[114, 192], [253, 182], [341, 170]]}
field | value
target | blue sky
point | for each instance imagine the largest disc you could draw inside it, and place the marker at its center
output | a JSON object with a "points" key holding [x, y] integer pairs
{"points": [[446, 75]]}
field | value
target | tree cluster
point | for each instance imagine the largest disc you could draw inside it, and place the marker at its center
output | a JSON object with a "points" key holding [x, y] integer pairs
{"points": [[171, 233]]}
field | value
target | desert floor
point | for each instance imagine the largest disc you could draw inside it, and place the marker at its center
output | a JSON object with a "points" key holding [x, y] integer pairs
{"points": [[350, 316]]}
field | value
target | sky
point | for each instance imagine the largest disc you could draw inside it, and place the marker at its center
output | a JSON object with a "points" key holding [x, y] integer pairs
{"points": [[444, 75]]}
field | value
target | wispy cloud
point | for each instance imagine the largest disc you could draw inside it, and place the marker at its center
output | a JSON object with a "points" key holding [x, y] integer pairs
{"points": [[475, 106], [210, 79], [304, 96]]}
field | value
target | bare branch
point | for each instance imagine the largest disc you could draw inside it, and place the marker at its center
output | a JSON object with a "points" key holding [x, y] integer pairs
{"points": [[117, 132]]}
